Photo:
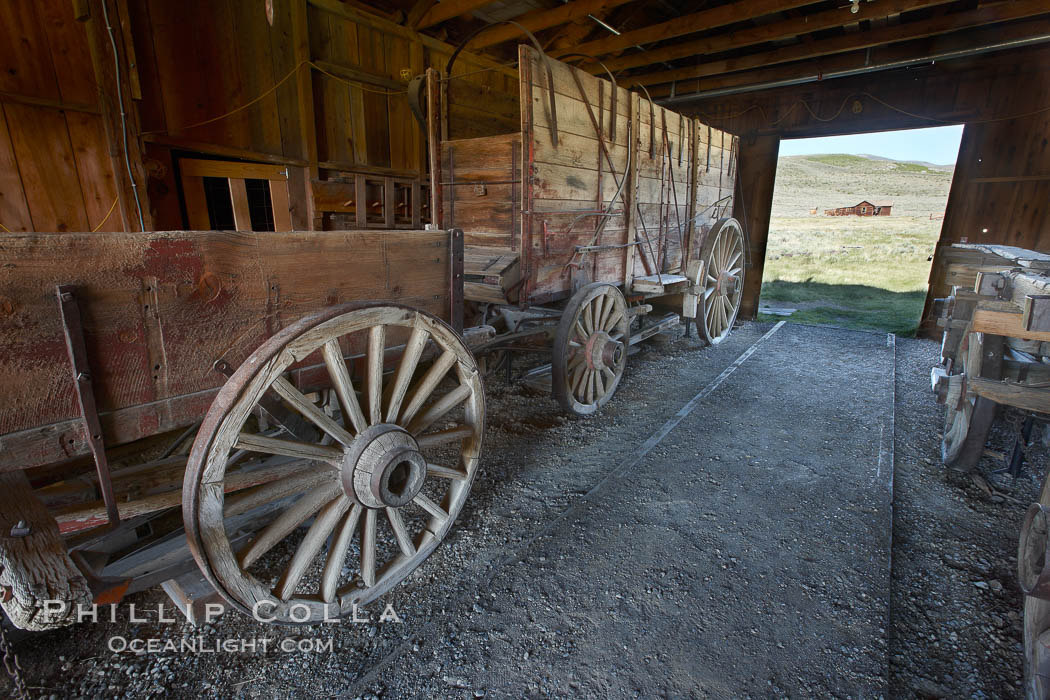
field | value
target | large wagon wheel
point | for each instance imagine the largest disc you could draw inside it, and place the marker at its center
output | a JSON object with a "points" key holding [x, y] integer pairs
{"points": [[395, 466], [723, 283], [1033, 568], [590, 348], [967, 417]]}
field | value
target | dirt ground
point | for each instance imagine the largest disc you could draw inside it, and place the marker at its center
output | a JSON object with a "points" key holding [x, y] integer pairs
{"points": [[747, 554]]}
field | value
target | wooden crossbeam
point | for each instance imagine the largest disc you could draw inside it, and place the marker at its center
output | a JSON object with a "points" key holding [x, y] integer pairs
{"points": [[1001, 12], [544, 19], [447, 10], [372, 21], [774, 31], [880, 59], [687, 24]]}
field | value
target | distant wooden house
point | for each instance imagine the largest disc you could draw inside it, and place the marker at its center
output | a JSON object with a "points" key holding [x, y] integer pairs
{"points": [[864, 208]]}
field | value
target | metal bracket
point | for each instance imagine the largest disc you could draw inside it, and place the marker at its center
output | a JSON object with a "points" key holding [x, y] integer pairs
{"points": [[74, 332], [456, 279]]}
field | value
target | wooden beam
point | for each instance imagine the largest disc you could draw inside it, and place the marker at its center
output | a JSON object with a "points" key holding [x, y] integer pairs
{"points": [[882, 58], [544, 19], [111, 92], [447, 10], [420, 8], [367, 19], [304, 216], [1001, 12], [775, 31], [756, 173], [687, 24]]}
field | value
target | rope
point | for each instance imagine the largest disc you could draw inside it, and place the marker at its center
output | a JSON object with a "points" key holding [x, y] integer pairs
{"points": [[108, 214], [271, 90]]}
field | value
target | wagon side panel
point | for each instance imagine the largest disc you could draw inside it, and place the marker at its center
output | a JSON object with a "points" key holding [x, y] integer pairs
{"points": [[573, 181], [159, 309]]}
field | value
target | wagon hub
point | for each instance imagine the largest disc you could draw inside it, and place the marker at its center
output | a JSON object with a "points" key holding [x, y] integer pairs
{"points": [[602, 351], [727, 283], [383, 467]]}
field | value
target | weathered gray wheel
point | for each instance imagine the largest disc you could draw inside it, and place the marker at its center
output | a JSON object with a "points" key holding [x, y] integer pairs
{"points": [[404, 454], [590, 348], [1034, 578], [967, 417], [723, 283]]}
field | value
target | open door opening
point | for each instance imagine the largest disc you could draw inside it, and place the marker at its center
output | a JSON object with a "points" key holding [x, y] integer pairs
{"points": [[854, 223]]}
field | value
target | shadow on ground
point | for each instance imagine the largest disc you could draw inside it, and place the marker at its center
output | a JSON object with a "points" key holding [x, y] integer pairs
{"points": [[854, 306]]}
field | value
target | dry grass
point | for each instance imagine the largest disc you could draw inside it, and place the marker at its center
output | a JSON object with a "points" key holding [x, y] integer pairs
{"points": [[856, 272]]}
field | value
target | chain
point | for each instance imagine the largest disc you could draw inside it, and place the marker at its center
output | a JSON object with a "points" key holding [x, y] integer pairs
{"points": [[14, 668]]}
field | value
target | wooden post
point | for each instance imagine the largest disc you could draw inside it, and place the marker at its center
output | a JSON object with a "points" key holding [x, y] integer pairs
{"points": [[757, 169], [629, 216], [304, 214], [434, 120], [119, 131]]}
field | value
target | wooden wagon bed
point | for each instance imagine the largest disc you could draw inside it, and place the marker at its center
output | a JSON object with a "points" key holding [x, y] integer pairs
{"points": [[606, 186]]}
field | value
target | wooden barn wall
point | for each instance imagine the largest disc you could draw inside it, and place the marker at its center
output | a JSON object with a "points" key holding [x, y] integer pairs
{"points": [[321, 90], [56, 173], [1001, 185]]}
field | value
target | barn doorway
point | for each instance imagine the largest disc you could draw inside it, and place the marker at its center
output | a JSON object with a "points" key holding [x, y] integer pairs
{"points": [[854, 223]]}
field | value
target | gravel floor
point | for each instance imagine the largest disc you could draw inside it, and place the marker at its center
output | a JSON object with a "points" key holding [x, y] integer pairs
{"points": [[655, 584]]}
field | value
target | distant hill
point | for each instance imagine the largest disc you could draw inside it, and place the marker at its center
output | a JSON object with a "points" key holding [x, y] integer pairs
{"points": [[834, 180]]}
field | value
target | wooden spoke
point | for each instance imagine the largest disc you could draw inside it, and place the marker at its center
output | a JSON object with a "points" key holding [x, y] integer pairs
{"points": [[597, 309], [288, 448], [344, 388], [286, 522], [589, 387], [576, 383], [368, 548], [439, 408], [459, 432], [712, 279], [426, 385], [599, 384], [404, 540], [376, 347], [580, 332], [333, 566], [289, 393], [609, 374], [446, 472], [273, 491], [430, 507], [311, 545], [409, 360]]}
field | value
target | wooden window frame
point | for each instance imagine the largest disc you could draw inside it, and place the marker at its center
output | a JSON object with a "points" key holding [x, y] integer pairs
{"points": [[194, 170]]}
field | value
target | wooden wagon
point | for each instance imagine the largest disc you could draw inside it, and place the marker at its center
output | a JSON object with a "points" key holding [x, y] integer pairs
{"points": [[996, 353], [362, 419], [584, 209]]}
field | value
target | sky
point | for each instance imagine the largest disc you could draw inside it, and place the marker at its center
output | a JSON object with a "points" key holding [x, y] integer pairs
{"points": [[939, 145]]}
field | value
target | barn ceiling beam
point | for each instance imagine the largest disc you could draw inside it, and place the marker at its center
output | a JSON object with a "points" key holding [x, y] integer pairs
{"points": [[939, 48], [688, 24], [544, 19], [367, 19], [447, 10], [774, 31], [942, 24]]}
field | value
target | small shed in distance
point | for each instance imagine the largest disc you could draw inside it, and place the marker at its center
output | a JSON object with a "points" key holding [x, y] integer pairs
{"points": [[864, 208]]}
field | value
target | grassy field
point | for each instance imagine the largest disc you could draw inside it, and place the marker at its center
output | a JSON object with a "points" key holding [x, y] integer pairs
{"points": [[854, 272]]}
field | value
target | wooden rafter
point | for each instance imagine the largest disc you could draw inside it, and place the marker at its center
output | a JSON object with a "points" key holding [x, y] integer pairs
{"points": [[884, 58], [420, 8], [786, 29], [688, 24], [942, 24], [367, 19], [544, 19], [447, 10]]}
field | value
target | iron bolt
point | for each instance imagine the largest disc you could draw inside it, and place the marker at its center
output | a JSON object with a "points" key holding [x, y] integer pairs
{"points": [[21, 529], [66, 296], [83, 377]]}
